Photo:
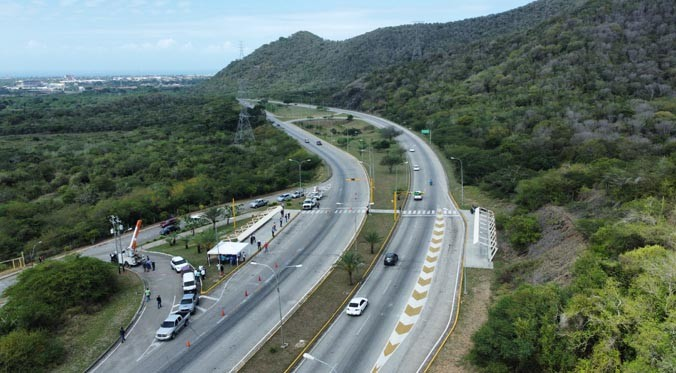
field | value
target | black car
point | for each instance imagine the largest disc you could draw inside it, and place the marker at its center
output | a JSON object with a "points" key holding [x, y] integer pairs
{"points": [[391, 259], [168, 229]]}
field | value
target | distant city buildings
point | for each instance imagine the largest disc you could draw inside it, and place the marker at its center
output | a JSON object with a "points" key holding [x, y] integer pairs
{"points": [[72, 84]]}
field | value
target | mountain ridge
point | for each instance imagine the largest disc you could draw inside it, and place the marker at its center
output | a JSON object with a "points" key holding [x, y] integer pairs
{"points": [[306, 62]]}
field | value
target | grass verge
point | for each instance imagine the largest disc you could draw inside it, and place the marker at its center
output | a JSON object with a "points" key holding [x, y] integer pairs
{"points": [[86, 337], [473, 313]]}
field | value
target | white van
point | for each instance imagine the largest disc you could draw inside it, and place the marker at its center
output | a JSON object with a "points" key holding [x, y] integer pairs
{"points": [[190, 283]]}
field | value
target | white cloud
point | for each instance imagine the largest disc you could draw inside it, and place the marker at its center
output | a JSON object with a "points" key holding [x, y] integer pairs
{"points": [[34, 45], [67, 3], [219, 48], [165, 43]]}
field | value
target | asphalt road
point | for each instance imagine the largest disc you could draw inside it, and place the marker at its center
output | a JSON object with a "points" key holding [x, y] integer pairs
{"points": [[358, 344], [229, 325]]}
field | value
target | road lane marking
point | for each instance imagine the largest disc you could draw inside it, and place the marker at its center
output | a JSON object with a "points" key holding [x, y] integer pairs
{"points": [[418, 297], [363, 324]]}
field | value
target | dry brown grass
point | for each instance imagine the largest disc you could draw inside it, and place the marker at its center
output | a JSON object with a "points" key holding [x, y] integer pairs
{"points": [[473, 313]]}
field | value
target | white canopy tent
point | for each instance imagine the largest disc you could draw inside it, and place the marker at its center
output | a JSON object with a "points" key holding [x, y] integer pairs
{"points": [[226, 248]]}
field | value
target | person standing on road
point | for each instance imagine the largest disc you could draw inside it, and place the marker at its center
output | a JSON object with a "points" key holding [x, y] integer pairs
{"points": [[147, 294], [122, 332], [159, 302], [153, 263], [259, 245], [266, 246]]}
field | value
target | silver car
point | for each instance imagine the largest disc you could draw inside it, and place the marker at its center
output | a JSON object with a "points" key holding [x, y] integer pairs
{"points": [[171, 326], [189, 303]]}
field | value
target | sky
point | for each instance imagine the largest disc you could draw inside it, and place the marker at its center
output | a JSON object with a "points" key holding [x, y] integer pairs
{"points": [[135, 37]]}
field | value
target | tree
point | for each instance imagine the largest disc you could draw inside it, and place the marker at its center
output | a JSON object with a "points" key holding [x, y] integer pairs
{"points": [[186, 240], [350, 262], [212, 214], [191, 223], [390, 160], [372, 238]]}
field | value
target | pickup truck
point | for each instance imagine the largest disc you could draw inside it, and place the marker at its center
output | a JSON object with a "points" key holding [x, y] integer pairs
{"points": [[258, 203], [310, 203], [172, 325]]}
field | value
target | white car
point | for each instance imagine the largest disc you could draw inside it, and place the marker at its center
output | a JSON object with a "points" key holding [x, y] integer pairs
{"points": [[411, 150], [416, 167], [357, 306], [417, 195], [178, 264]]}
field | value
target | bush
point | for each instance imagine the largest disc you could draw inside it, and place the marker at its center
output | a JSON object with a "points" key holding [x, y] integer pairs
{"points": [[44, 293], [522, 335], [523, 230], [26, 351]]}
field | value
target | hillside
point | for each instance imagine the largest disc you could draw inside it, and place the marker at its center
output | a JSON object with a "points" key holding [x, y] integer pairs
{"points": [[305, 62]]}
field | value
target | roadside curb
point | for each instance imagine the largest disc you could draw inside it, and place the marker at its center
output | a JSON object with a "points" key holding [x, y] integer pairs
{"points": [[131, 322]]}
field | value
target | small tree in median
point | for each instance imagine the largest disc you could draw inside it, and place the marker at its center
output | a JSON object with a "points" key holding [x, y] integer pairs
{"points": [[350, 262], [213, 214], [372, 238]]}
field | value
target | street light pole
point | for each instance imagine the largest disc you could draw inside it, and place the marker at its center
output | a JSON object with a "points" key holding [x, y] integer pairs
{"points": [[310, 357], [279, 297], [462, 181], [300, 163]]}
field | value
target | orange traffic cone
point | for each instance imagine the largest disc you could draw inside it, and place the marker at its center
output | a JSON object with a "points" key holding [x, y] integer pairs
{"points": [[222, 312], [187, 344]]}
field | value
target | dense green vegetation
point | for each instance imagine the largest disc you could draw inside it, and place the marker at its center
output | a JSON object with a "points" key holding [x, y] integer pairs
{"points": [[576, 109], [307, 68], [40, 302], [69, 161]]}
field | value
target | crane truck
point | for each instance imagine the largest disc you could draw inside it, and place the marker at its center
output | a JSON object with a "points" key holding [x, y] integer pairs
{"points": [[129, 255]]}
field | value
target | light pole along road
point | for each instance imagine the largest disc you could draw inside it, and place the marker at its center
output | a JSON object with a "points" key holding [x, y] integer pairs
{"points": [[235, 317], [412, 303]]}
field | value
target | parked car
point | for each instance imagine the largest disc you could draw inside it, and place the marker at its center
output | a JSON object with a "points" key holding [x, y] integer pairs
{"points": [[172, 325], [319, 142], [417, 195], [357, 306], [168, 229], [178, 264], [297, 194], [307, 141], [189, 303], [391, 259], [284, 197], [168, 222], [258, 203], [310, 203]]}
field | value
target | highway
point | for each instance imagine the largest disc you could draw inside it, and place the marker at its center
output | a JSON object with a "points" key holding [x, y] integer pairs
{"points": [[410, 304], [223, 343]]}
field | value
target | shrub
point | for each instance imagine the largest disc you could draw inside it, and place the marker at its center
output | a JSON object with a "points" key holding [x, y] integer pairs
{"points": [[523, 230], [43, 293], [27, 351]]}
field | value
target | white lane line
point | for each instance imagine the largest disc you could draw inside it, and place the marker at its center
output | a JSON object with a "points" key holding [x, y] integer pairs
{"points": [[362, 325], [208, 297]]}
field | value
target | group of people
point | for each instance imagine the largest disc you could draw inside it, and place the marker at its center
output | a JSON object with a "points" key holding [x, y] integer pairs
{"points": [[148, 264]]}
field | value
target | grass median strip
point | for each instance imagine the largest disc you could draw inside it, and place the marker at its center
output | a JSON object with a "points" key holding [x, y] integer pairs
{"points": [[329, 297]]}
